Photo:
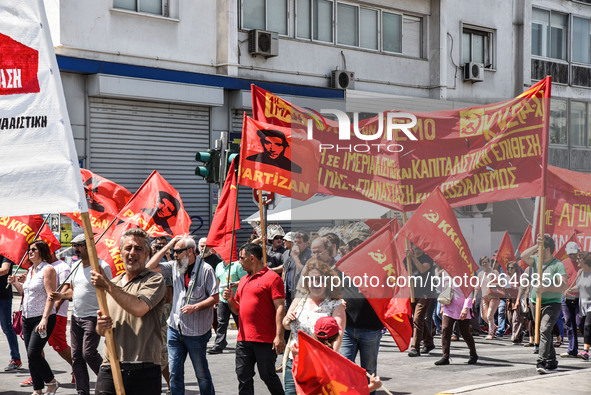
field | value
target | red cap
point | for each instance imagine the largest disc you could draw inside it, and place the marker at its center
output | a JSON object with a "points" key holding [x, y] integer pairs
{"points": [[326, 327]]}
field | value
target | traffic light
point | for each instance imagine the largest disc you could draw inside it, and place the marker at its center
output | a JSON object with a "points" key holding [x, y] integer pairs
{"points": [[211, 169], [232, 152]]}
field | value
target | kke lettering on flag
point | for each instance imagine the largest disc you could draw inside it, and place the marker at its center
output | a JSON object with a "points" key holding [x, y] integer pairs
{"points": [[105, 199], [39, 171], [475, 155], [109, 247], [321, 370], [267, 161], [526, 242], [505, 253], [16, 233], [434, 228], [225, 219], [378, 258], [157, 208]]}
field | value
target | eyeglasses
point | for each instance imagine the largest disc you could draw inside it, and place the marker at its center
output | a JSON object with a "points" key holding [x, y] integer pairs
{"points": [[158, 247], [33, 249], [178, 251]]}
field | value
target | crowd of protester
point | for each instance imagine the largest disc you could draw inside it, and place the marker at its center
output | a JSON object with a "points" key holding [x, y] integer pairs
{"points": [[173, 292]]}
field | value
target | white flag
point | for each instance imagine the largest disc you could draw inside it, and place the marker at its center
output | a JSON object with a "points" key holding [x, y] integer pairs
{"points": [[39, 171]]}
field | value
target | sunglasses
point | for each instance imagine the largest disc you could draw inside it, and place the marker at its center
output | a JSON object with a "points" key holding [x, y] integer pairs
{"points": [[33, 249], [178, 251], [78, 245]]}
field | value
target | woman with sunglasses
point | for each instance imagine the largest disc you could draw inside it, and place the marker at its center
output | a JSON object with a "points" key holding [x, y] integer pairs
{"points": [[38, 314]]}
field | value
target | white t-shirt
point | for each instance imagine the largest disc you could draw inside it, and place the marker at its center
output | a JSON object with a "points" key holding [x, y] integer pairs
{"points": [[84, 295], [62, 270]]}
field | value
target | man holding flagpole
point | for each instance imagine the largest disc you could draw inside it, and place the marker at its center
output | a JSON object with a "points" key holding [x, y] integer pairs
{"points": [[195, 292], [554, 280]]}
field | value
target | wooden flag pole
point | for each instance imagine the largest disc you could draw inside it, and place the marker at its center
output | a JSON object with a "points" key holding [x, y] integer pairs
{"points": [[538, 316], [102, 301], [263, 227], [408, 266]]}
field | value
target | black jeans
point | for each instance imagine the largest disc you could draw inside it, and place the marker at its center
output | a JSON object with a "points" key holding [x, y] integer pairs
{"points": [[249, 353], [223, 322], [136, 380], [84, 340], [39, 368]]}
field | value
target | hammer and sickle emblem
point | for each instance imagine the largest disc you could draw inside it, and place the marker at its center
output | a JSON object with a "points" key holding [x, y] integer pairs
{"points": [[431, 216], [378, 257]]}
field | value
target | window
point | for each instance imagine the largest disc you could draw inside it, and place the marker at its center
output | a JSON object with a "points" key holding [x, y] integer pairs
{"points": [[358, 26], [392, 32], [549, 34], [347, 24], [265, 15], [477, 46], [581, 40], [578, 123], [558, 121], [157, 7]]}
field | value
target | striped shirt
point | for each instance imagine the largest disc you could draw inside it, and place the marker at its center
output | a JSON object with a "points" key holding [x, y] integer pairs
{"points": [[198, 323]]}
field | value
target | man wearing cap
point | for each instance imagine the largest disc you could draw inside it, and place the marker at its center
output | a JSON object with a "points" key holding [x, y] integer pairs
{"points": [[83, 335], [274, 145], [551, 297], [570, 306]]}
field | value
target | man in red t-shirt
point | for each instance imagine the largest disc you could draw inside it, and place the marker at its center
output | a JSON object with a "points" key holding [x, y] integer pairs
{"points": [[260, 305]]}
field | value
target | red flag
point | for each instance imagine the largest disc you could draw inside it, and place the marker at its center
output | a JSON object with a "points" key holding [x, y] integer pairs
{"points": [[108, 248], [16, 233], [526, 242], [321, 370], [226, 215], [267, 160], [435, 229], [105, 199], [390, 301], [572, 268], [157, 208], [505, 252]]}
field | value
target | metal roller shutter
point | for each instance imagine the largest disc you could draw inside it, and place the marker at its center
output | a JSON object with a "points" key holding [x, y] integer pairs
{"points": [[129, 139]]}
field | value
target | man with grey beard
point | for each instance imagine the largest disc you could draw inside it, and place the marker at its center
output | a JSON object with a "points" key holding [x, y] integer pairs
{"points": [[195, 292]]}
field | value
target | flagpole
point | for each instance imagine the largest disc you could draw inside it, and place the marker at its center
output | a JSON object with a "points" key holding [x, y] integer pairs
{"points": [[263, 227], [407, 245], [233, 229], [538, 316], [102, 300], [59, 288], [27, 252], [381, 388]]}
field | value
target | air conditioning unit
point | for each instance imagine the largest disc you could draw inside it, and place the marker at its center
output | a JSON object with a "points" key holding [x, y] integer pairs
{"points": [[479, 209], [342, 79], [473, 72], [261, 42]]}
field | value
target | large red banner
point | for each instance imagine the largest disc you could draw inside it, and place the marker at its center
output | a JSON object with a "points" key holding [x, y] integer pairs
{"points": [[475, 155], [379, 260], [505, 253], [434, 228], [105, 199], [568, 206], [157, 208]]}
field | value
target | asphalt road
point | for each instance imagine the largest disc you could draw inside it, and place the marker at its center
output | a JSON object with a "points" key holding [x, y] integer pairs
{"points": [[501, 367]]}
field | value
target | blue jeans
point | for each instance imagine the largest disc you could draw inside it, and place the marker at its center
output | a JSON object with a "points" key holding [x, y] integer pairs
{"points": [[437, 317], [6, 323], [502, 318], [178, 347], [364, 341]]}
